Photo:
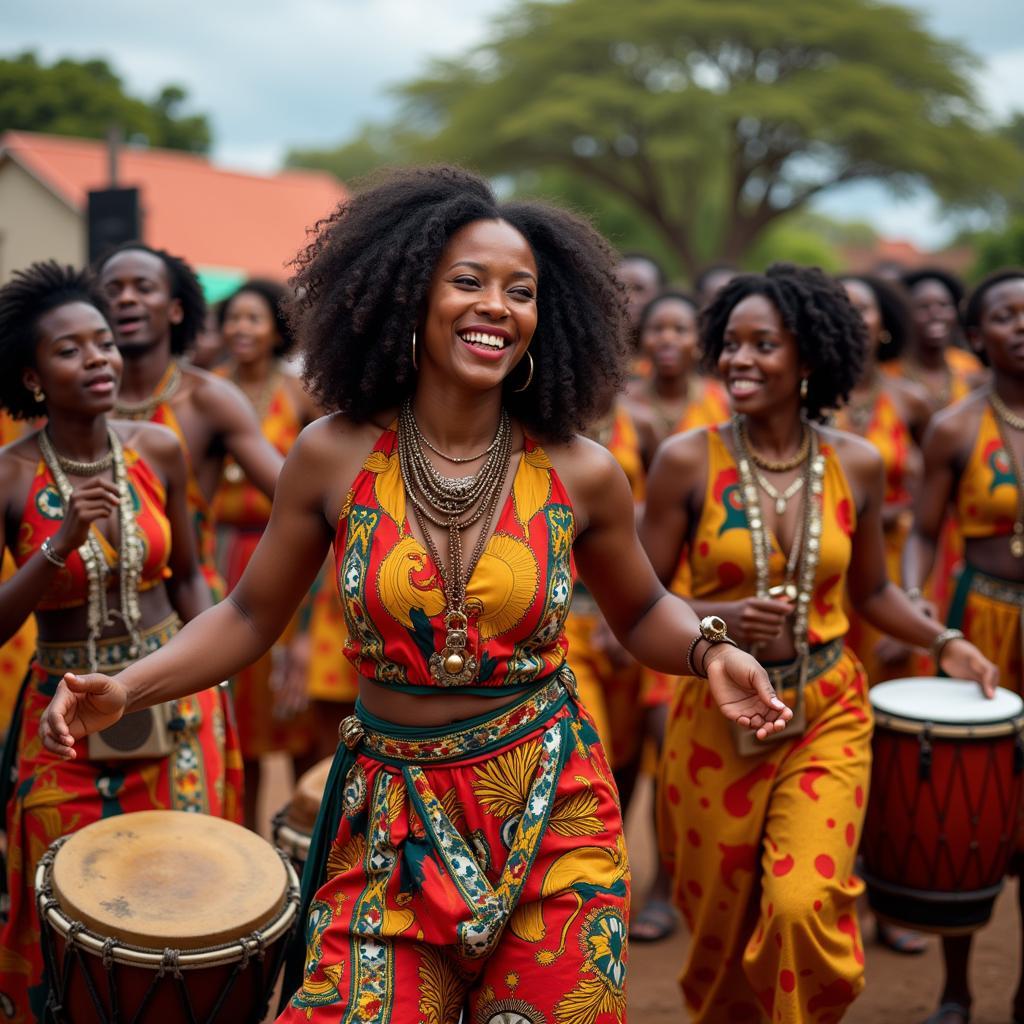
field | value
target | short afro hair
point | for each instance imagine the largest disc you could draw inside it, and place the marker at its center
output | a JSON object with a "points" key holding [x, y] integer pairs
{"points": [[952, 283], [362, 286], [830, 334], [276, 296], [893, 310], [185, 287], [975, 304], [644, 257], [24, 300], [668, 295]]}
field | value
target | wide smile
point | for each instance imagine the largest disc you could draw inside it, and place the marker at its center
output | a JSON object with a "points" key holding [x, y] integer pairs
{"points": [[489, 343], [743, 387]]}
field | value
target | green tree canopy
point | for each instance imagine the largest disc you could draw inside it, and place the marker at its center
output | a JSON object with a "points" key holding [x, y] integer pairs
{"points": [[711, 119], [86, 98]]}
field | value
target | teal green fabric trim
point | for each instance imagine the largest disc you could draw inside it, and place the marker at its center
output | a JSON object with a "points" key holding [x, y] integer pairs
{"points": [[958, 605]]}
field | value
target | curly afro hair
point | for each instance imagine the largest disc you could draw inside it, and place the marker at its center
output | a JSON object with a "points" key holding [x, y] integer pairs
{"points": [[974, 307], [185, 287], [893, 310], [362, 287], [830, 334], [24, 300], [276, 296]]}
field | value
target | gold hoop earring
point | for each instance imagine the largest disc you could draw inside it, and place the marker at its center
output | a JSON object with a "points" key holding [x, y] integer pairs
{"points": [[415, 365], [529, 376], [803, 389], [37, 394]]}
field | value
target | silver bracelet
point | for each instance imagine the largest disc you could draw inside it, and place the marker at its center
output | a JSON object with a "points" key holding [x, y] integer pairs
{"points": [[914, 593], [940, 641], [51, 556]]}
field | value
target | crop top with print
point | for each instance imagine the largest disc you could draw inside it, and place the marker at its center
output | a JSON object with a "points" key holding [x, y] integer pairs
{"points": [[986, 497], [517, 598], [44, 514]]}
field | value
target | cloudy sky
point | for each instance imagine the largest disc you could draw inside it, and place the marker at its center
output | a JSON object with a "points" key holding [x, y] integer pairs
{"points": [[272, 75]]}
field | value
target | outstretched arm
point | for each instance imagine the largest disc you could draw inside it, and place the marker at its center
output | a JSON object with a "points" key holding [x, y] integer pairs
{"points": [[225, 638], [653, 625]]}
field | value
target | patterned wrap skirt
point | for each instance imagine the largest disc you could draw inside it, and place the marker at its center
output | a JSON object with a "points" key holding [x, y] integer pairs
{"points": [[475, 869]]}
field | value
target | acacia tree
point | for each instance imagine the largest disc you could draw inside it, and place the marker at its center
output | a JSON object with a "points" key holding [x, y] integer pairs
{"points": [[713, 118]]}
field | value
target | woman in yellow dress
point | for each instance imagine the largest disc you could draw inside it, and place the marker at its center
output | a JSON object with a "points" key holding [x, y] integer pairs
{"points": [[783, 519]]}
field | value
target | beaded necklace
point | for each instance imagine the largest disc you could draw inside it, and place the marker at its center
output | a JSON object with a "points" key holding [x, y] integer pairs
{"points": [[97, 571], [1006, 417], [805, 553], [165, 390], [453, 504]]}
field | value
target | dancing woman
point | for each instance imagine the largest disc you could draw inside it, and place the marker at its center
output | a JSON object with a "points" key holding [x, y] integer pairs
{"points": [[783, 519], [973, 453], [95, 517], [892, 414], [257, 337], [470, 831]]}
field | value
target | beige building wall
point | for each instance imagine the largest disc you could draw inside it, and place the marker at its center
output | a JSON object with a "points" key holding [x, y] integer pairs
{"points": [[34, 223]]}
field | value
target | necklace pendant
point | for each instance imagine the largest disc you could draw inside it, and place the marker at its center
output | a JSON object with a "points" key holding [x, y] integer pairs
{"points": [[1017, 546], [452, 666], [780, 506]]}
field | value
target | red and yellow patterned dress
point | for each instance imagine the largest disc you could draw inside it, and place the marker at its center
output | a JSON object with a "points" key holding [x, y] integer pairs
{"points": [[16, 654], [964, 372], [761, 848], [709, 407], [481, 864], [241, 512], [609, 692], [53, 797], [889, 433]]}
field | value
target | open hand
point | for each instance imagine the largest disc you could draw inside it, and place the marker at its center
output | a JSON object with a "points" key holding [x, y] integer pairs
{"points": [[743, 692], [962, 660], [82, 705]]}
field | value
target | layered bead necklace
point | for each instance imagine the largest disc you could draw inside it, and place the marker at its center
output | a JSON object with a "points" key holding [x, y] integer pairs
{"points": [[453, 504], [130, 548], [805, 552], [1007, 418]]}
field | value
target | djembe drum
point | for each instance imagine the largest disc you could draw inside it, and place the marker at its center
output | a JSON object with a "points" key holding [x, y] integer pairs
{"points": [[293, 825], [945, 806], [163, 916]]}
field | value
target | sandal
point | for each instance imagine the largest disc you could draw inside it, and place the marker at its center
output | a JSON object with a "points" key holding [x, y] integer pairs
{"points": [[946, 1008], [658, 920], [901, 940]]}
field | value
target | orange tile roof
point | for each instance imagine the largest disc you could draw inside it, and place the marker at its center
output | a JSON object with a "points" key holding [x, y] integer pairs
{"points": [[211, 216]]}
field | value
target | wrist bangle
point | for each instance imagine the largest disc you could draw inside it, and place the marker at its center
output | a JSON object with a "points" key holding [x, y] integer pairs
{"points": [[51, 556], [689, 654], [914, 593], [940, 641], [712, 644]]}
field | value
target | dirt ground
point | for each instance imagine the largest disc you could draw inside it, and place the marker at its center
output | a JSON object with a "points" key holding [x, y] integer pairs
{"points": [[900, 989]]}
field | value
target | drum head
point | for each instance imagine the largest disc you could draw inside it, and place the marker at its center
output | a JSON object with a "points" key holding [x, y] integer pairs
{"points": [[944, 701], [309, 794], [168, 879]]}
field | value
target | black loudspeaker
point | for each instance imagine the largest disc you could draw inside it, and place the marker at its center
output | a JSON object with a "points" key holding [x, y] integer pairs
{"points": [[113, 218]]}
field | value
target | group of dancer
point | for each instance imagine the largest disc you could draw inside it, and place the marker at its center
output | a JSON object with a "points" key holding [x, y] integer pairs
{"points": [[574, 516]]}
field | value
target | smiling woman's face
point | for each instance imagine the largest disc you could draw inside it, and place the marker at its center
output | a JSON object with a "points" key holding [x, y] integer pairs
{"points": [[482, 305]]}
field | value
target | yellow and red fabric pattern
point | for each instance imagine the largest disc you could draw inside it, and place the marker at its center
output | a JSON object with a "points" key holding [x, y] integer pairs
{"points": [[762, 848], [889, 433], [479, 866], [241, 512], [520, 587]]}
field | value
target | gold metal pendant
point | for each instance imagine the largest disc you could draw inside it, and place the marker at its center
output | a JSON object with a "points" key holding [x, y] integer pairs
{"points": [[452, 666], [1017, 546]]}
